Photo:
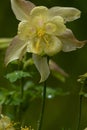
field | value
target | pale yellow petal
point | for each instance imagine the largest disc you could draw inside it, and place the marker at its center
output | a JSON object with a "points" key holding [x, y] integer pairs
{"points": [[22, 8], [42, 66], [68, 13], [39, 15], [54, 46], [15, 51], [59, 22], [35, 46], [50, 28], [26, 30], [69, 41], [39, 10]]}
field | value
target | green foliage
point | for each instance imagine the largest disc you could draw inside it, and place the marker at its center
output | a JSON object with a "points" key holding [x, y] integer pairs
{"points": [[4, 42], [14, 76], [82, 78], [10, 97], [35, 91], [59, 76], [31, 92]]}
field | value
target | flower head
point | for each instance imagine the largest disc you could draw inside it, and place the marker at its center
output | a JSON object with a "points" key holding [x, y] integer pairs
{"points": [[6, 124], [27, 128], [42, 31]]}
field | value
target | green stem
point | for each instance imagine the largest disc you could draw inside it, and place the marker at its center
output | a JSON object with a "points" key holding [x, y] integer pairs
{"points": [[21, 104], [80, 112], [43, 106]]}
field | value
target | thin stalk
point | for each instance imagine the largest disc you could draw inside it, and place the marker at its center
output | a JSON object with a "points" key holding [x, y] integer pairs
{"points": [[21, 104], [80, 112], [21, 83], [43, 107]]}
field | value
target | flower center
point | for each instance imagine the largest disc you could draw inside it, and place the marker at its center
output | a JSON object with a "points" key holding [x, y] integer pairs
{"points": [[40, 32]]}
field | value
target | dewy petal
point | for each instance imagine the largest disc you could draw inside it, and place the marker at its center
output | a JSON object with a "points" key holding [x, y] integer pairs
{"points": [[69, 41], [68, 13], [15, 51], [22, 8], [54, 46], [42, 66]]}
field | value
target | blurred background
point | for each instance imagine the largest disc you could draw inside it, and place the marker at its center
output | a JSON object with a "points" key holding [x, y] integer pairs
{"points": [[62, 110]]}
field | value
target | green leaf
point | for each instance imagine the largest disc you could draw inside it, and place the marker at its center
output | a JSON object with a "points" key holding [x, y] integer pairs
{"points": [[14, 76], [82, 78], [4, 42], [58, 76]]}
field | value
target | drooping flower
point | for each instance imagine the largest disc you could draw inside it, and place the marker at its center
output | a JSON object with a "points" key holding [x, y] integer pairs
{"points": [[43, 33]]}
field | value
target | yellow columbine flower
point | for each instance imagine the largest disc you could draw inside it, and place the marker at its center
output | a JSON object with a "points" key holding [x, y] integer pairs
{"points": [[6, 124], [42, 31], [27, 128]]}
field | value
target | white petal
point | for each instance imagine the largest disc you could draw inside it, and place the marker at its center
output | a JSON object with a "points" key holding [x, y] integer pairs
{"points": [[53, 46], [42, 66], [15, 51], [69, 41], [68, 13], [22, 8]]}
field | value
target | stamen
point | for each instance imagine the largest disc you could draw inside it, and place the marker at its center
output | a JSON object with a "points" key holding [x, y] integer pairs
{"points": [[38, 44], [40, 32], [46, 41]]}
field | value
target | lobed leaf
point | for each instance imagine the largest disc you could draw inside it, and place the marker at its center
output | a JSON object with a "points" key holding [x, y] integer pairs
{"points": [[14, 76]]}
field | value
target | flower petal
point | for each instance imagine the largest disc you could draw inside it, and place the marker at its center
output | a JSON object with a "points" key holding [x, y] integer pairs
{"points": [[15, 51], [59, 22], [39, 16], [26, 30], [35, 46], [69, 41], [56, 68], [53, 46], [42, 66], [22, 8], [39, 10], [68, 13]]}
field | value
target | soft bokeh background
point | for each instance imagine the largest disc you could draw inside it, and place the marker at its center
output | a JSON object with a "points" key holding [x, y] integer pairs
{"points": [[61, 111]]}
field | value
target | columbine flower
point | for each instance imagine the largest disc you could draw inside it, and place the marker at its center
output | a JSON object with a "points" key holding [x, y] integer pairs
{"points": [[85, 129], [43, 32], [6, 124], [27, 128]]}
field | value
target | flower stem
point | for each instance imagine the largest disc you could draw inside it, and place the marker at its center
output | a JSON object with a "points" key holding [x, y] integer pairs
{"points": [[42, 109], [21, 104], [80, 112]]}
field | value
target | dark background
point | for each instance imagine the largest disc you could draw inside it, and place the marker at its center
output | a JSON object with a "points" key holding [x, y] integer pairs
{"points": [[61, 111]]}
